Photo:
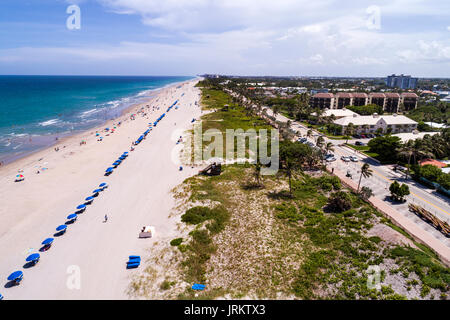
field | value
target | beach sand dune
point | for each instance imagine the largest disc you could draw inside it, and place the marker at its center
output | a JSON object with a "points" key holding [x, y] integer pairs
{"points": [[92, 253]]}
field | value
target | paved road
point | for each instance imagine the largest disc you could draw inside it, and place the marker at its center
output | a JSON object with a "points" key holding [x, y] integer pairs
{"points": [[383, 176]]}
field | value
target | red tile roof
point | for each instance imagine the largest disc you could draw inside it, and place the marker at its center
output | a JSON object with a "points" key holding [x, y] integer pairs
{"points": [[359, 95], [323, 95], [343, 95], [409, 95], [432, 162], [377, 95], [392, 95]]}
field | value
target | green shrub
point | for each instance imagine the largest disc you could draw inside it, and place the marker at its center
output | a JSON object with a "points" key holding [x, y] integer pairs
{"points": [[285, 211], [339, 202], [196, 215], [199, 214], [176, 242]]}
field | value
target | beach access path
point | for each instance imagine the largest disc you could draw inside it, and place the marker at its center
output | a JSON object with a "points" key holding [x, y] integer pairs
{"points": [[92, 253]]}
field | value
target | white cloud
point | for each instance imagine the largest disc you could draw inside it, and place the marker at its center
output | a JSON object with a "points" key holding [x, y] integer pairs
{"points": [[327, 37]]}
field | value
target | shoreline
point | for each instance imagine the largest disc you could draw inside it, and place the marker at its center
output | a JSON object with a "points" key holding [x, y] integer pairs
{"points": [[79, 134], [138, 194]]}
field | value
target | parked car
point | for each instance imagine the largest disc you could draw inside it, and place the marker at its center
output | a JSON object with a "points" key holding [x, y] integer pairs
{"points": [[363, 136], [357, 136], [330, 159], [302, 140], [345, 158], [354, 159], [370, 135], [359, 143]]}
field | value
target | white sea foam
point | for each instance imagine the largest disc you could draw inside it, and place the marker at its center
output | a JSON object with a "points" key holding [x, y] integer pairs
{"points": [[49, 122], [88, 113]]}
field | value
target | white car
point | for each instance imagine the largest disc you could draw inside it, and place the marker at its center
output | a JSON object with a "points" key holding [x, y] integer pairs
{"points": [[330, 159], [354, 159], [345, 158]]}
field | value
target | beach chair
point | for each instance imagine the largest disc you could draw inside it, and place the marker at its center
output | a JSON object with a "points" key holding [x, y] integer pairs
{"points": [[133, 262]]}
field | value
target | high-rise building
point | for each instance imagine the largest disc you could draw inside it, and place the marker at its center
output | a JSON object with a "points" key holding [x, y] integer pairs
{"points": [[401, 81]]}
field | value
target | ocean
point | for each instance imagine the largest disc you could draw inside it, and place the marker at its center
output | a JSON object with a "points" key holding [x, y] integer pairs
{"points": [[34, 110]]}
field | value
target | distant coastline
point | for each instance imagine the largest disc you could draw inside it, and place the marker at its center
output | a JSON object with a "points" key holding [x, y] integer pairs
{"points": [[41, 133]]}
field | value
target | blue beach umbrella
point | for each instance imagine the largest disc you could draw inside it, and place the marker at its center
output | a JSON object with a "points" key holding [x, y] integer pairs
{"points": [[1, 297], [33, 257], [110, 169], [97, 191], [47, 241], [122, 158], [131, 258], [72, 216], [125, 152], [81, 207], [103, 185], [62, 227], [16, 275], [89, 200]]}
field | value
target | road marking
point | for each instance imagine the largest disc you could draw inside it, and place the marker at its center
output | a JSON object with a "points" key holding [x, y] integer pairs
{"points": [[416, 195], [382, 176]]}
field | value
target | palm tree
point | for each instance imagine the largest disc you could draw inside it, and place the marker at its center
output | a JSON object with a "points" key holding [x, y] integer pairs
{"points": [[366, 172], [349, 130], [414, 149], [257, 173], [329, 147], [309, 133], [275, 111], [320, 141]]}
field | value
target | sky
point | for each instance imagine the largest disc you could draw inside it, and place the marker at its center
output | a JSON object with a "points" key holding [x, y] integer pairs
{"points": [[234, 37]]}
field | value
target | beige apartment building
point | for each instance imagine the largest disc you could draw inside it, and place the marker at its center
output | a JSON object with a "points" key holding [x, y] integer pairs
{"points": [[390, 101]]}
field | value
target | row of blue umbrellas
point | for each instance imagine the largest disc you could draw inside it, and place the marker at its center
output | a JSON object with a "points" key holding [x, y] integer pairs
{"points": [[134, 261], [17, 276], [115, 165]]}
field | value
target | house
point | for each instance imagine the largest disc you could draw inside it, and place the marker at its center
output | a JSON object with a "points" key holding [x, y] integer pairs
{"points": [[433, 162], [370, 124], [338, 113]]}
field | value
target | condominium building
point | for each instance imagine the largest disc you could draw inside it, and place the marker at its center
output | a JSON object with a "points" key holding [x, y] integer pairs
{"points": [[401, 81], [342, 100], [390, 101], [322, 100], [409, 100], [360, 99]]}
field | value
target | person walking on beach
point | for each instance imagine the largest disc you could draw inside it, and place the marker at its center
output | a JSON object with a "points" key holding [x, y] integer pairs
{"points": [[106, 218]]}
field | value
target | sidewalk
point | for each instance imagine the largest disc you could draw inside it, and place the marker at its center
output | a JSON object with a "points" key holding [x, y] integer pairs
{"points": [[398, 219]]}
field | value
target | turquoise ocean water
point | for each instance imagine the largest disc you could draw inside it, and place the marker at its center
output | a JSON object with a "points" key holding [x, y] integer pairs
{"points": [[36, 109]]}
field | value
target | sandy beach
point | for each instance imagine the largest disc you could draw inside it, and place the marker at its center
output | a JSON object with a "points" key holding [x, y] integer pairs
{"points": [[138, 195]]}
